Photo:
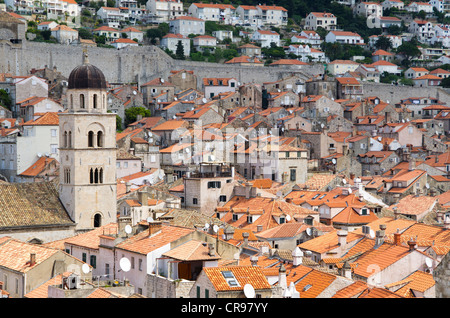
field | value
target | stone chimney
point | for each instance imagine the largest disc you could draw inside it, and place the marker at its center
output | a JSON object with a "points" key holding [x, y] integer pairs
{"points": [[344, 150], [154, 227], [398, 238], [254, 260], [412, 165], [122, 222], [342, 238], [447, 223], [245, 235], [412, 244], [297, 256], [143, 198], [211, 250], [127, 187], [228, 233], [396, 213], [32, 259], [439, 217], [259, 228], [347, 270], [379, 237], [282, 281]]}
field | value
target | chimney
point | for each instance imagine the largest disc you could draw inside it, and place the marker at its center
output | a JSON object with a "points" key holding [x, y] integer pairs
{"points": [[245, 235], [347, 270], [412, 165], [344, 150], [154, 227], [122, 222], [412, 244], [254, 260], [379, 235], [447, 223], [211, 250], [228, 233], [127, 187], [282, 282], [32, 259], [439, 217], [297, 256], [259, 228], [288, 200], [342, 238], [398, 238], [396, 213], [143, 198]]}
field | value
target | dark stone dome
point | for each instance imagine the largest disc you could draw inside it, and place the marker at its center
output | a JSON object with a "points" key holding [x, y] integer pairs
{"points": [[87, 76]]}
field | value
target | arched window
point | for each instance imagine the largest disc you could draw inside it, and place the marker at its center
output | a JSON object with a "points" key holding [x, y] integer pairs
{"points": [[96, 175], [91, 176], [99, 139], [97, 220], [69, 144], [82, 105], [91, 139], [103, 104], [100, 175], [71, 101], [95, 101], [65, 139]]}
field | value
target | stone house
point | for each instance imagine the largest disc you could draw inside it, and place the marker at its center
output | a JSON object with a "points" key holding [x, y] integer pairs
{"points": [[32, 265], [169, 131], [377, 162], [154, 88], [64, 34], [338, 123], [250, 50], [410, 183], [358, 145], [214, 86], [127, 164], [183, 79], [348, 88], [186, 25], [26, 87], [203, 115], [406, 133], [38, 105], [283, 99], [204, 43], [44, 169], [317, 106]]}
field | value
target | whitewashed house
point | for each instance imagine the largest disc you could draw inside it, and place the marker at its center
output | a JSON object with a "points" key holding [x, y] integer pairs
{"points": [[186, 25], [344, 37], [170, 41], [265, 38]]}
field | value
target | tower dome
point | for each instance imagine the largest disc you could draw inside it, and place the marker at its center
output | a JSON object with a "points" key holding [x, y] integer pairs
{"points": [[86, 76]]}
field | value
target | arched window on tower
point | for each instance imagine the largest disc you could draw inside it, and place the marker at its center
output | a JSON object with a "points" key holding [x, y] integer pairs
{"points": [[96, 175], [104, 104], [99, 139], [65, 139], [82, 104], [91, 176], [69, 144], [97, 220], [95, 101], [100, 175], [91, 139], [71, 101]]}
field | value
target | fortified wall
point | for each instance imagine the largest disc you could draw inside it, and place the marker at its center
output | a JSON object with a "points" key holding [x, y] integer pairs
{"points": [[131, 64]]}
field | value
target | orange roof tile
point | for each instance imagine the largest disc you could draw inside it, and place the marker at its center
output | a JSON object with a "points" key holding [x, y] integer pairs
{"points": [[244, 275]]}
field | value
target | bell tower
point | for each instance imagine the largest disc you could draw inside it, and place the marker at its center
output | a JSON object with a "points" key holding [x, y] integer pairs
{"points": [[88, 150]]}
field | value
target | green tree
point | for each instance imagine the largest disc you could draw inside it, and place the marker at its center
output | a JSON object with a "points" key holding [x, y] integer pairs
{"points": [[85, 34], [409, 50], [445, 82], [179, 52], [132, 113], [5, 99], [383, 43]]}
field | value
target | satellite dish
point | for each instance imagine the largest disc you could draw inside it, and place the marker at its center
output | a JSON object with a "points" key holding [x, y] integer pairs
{"points": [[162, 80], [175, 98], [344, 181], [125, 264], [429, 262], [249, 291], [372, 233], [215, 228], [350, 190], [204, 100], [174, 117], [39, 155], [427, 186], [308, 231], [322, 125], [85, 268], [379, 138], [288, 218], [206, 226], [134, 92], [333, 161], [128, 229], [149, 219]]}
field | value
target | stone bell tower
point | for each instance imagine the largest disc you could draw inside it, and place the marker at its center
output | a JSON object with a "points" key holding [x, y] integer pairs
{"points": [[88, 150]]}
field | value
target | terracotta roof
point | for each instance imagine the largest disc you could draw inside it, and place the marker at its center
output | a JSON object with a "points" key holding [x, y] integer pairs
{"points": [[157, 82], [214, 5], [244, 275], [91, 239], [15, 255], [288, 62], [170, 125], [417, 281], [215, 81], [327, 242], [192, 250], [143, 244], [42, 290], [415, 205], [37, 167], [348, 81], [47, 119]]}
